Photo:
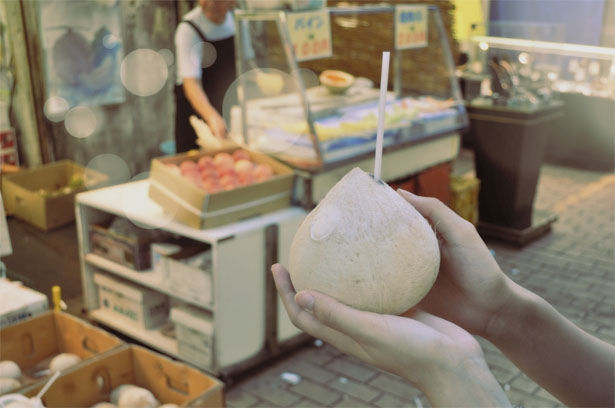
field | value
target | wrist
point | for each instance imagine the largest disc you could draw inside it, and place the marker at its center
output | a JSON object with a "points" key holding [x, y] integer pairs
{"points": [[512, 315], [469, 383]]}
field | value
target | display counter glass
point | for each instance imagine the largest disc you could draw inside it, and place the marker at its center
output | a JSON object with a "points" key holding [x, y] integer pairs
{"points": [[529, 71], [289, 104]]}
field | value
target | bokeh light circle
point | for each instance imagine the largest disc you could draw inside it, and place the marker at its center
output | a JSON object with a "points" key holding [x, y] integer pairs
{"points": [[110, 165], [309, 78], [203, 54], [80, 122], [55, 108], [167, 55], [134, 210], [144, 72], [276, 117]]}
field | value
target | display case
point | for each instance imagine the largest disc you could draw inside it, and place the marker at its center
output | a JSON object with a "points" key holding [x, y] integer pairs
{"points": [[532, 74], [290, 109], [527, 72]]}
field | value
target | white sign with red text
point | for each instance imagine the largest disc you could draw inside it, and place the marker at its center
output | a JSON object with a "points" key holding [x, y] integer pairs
{"points": [[310, 34], [410, 27]]}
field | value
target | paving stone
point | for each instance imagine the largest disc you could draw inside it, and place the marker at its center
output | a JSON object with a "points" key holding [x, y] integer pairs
{"points": [[395, 386], [520, 398], [352, 370], [355, 389], [387, 400], [318, 355], [312, 371], [322, 395], [523, 383], [349, 402], [238, 398], [277, 396]]}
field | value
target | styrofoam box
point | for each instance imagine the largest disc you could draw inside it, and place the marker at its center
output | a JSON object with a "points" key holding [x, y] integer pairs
{"points": [[190, 277], [132, 303], [18, 303], [194, 331]]}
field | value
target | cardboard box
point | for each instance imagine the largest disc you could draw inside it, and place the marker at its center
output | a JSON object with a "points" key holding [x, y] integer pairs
{"points": [[130, 251], [194, 207], [194, 331], [169, 381], [33, 342], [131, 303], [40, 196], [188, 273], [18, 303]]}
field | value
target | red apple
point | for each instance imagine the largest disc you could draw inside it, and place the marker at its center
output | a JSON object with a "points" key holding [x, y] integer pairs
{"points": [[241, 155]]}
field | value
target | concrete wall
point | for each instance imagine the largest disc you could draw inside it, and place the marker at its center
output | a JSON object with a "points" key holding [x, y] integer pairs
{"points": [[134, 129]]}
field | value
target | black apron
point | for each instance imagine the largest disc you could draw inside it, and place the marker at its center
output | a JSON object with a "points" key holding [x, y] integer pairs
{"points": [[215, 79]]}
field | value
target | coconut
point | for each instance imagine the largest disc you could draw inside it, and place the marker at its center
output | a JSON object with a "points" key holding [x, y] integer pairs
{"points": [[9, 369], [365, 246], [62, 361]]}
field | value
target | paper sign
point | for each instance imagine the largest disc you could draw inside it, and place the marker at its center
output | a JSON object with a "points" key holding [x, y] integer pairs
{"points": [[410, 27], [310, 34]]}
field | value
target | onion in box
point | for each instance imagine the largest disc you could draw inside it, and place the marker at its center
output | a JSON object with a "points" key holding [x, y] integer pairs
{"points": [[365, 246], [9, 369]]}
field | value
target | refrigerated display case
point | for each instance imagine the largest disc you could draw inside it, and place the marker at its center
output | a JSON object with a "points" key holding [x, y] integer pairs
{"points": [[280, 107], [528, 73]]}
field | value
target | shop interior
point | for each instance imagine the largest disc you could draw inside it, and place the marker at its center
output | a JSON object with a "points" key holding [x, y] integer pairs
{"points": [[126, 261]]}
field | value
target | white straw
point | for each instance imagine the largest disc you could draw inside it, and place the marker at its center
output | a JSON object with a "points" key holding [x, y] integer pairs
{"points": [[384, 79], [49, 383]]}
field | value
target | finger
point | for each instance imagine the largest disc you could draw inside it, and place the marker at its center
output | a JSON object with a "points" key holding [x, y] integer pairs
{"points": [[437, 323], [445, 221], [305, 320], [338, 316]]}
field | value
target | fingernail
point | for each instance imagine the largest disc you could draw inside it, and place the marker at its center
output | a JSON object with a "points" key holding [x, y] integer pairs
{"points": [[305, 300], [405, 193]]}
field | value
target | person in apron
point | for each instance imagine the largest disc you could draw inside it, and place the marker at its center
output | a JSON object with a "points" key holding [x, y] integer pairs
{"points": [[205, 50]]}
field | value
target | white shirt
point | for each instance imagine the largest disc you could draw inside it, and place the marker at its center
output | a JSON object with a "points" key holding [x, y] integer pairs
{"points": [[189, 48]]}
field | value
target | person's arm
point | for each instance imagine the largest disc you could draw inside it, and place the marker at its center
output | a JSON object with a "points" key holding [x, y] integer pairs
{"points": [[441, 359], [199, 101], [577, 368], [472, 291]]}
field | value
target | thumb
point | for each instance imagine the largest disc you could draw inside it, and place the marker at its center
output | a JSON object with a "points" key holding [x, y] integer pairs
{"points": [[334, 314]]}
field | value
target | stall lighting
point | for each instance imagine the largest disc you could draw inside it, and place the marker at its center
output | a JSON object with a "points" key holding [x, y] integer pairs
{"points": [[524, 58], [545, 47], [483, 46]]}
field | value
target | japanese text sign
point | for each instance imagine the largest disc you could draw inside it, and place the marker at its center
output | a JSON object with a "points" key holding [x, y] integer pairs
{"points": [[410, 26], [310, 34]]}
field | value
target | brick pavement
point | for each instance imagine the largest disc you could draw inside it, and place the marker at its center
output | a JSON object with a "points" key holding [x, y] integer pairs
{"points": [[572, 267]]}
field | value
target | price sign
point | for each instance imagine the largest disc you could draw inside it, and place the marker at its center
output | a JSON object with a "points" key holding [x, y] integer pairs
{"points": [[310, 34], [410, 27]]}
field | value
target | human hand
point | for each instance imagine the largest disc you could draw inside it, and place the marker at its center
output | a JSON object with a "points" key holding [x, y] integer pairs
{"points": [[471, 289], [428, 351], [216, 124]]}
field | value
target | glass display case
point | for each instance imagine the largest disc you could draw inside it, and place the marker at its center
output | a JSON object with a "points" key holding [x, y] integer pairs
{"points": [[297, 109], [527, 72]]}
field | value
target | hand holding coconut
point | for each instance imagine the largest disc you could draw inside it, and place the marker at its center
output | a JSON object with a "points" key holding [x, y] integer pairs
{"points": [[470, 295], [441, 359]]}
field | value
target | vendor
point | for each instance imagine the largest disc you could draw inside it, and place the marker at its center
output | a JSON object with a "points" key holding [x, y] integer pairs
{"points": [[204, 44]]}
